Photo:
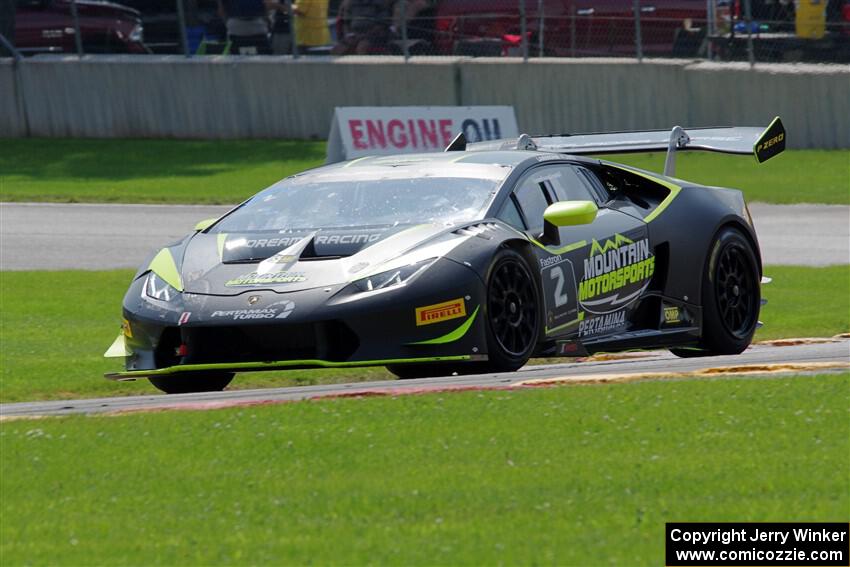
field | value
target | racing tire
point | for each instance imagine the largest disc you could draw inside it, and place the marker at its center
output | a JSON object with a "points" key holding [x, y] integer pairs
{"points": [[190, 383], [513, 316], [731, 297]]}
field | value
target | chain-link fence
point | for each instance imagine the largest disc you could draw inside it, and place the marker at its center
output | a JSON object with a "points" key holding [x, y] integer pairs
{"points": [[736, 30]]}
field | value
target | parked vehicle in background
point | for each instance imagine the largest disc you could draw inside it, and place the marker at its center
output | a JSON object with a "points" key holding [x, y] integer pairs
{"points": [[581, 28], [162, 23], [570, 27], [47, 26]]}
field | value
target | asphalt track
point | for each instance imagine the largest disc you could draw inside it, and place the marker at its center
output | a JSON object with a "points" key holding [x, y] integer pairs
{"points": [[45, 236], [758, 360], [94, 237]]}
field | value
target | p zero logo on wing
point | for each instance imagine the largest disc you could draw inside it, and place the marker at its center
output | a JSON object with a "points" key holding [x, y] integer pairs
{"points": [[440, 312]]}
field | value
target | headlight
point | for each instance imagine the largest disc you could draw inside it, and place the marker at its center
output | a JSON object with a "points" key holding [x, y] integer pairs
{"points": [[156, 288], [390, 278], [137, 34]]}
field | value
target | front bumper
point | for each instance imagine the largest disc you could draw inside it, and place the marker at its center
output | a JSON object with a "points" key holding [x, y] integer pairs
{"points": [[328, 327]]}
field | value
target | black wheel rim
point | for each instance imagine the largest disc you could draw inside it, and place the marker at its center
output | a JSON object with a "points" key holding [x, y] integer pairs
{"points": [[512, 307], [735, 290]]}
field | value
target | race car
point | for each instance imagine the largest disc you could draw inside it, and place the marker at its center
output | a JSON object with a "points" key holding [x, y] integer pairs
{"points": [[470, 260]]}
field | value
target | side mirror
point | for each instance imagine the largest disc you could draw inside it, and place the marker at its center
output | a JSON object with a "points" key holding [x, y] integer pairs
{"points": [[567, 213], [204, 224]]}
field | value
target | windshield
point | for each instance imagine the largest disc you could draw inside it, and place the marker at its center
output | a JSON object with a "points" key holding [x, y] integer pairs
{"points": [[326, 202]]}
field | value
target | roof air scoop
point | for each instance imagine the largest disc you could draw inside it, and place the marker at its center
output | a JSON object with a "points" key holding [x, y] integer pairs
{"points": [[458, 144], [287, 257], [524, 142]]}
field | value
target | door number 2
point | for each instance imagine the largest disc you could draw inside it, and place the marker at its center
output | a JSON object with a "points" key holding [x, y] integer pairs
{"points": [[557, 274]]}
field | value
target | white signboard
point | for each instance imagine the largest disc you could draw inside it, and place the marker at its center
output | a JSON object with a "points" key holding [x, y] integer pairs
{"points": [[359, 131]]}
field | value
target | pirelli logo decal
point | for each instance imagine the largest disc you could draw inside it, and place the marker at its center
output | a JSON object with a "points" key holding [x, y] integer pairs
{"points": [[440, 312]]}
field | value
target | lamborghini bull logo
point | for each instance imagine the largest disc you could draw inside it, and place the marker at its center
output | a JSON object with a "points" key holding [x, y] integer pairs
{"points": [[615, 274]]}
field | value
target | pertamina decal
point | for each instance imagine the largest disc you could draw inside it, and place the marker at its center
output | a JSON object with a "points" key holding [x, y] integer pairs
{"points": [[440, 312], [601, 324], [615, 274]]}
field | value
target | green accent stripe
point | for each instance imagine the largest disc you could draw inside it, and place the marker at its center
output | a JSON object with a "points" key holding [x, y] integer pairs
{"points": [[118, 348], [280, 364], [163, 265], [222, 237], [674, 190], [567, 324], [349, 164], [562, 250], [454, 335]]}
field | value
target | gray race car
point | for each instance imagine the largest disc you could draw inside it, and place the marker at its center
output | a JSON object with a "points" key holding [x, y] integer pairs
{"points": [[470, 260]]}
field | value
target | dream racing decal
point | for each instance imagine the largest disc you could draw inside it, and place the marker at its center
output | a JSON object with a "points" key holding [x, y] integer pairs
{"points": [[615, 274], [255, 278], [440, 312]]}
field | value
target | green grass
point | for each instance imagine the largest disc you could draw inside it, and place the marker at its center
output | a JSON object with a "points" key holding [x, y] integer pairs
{"points": [[181, 171], [797, 176], [582, 475], [805, 302], [55, 326], [148, 171]]}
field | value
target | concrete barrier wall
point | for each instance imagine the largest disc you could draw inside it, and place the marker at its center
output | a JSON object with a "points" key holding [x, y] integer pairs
{"points": [[12, 123], [264, 97]]}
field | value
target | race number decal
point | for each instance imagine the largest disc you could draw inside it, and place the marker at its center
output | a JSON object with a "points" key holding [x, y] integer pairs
{"points": [[559, 292]]}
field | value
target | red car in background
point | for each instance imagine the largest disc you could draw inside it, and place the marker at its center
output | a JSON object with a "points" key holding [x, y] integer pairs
{"points": [[47, 26], [570, 27]]}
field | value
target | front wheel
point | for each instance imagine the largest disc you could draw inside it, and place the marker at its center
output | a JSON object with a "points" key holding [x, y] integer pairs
{"points": [[191, 382], [731, 297], [513, 312]]}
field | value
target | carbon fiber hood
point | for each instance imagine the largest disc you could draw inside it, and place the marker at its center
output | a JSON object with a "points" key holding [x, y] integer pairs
{"points": [[230, 264]]}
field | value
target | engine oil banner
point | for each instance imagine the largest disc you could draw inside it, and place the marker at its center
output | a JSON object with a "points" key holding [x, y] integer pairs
{"points": [[358, 131]]}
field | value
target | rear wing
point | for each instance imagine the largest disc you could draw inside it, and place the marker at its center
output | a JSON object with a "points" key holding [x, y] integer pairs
{"points": [[763, 143]]}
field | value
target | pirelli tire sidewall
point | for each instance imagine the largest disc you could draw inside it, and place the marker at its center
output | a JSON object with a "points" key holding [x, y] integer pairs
{"points": [[717, 335], [500, 358]]}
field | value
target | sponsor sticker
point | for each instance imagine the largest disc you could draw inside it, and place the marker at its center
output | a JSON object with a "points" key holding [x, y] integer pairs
{"points": [[255, 278], [771, 142], [602, 324], [615, 274], [277, 310], [283, 241], [671, 315], [184, 318], [440, 312]]}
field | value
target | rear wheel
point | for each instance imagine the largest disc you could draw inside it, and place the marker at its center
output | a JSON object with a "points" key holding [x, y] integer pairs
{"points": [[186, 383], [731, 297]]}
